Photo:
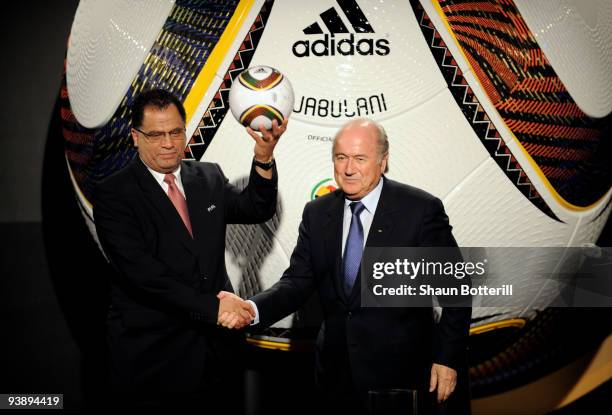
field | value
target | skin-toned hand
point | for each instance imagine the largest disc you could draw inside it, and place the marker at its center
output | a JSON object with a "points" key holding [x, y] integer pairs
{"points": [[234, 312], [265, 141], [445, 379]]}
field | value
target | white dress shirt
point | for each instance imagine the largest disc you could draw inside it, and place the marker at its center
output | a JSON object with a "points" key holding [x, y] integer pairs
{"points": [[159, 177], [370, 201]]}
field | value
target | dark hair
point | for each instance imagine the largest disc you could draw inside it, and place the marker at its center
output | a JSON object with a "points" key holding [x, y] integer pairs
{"points": [[158, 98]]}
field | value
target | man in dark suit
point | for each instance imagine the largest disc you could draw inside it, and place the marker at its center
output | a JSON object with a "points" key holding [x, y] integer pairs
{"points": [[362, 349], [161, 222]]}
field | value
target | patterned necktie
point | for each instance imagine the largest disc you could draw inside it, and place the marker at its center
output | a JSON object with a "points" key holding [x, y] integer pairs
{"points": [[354, 248], [178, 201]]}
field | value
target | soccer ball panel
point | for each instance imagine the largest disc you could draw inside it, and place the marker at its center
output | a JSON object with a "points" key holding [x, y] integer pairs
{"points": [[576, 37], [108, 43]]}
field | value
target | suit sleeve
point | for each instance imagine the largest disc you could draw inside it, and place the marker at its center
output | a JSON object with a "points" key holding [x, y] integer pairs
{"points": [[295, 286], [123, 241], [452, 331], [256, 203]]}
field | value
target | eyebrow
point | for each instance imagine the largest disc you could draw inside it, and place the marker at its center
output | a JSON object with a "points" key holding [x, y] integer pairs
{"points": [[162, 131], [344, 154]]}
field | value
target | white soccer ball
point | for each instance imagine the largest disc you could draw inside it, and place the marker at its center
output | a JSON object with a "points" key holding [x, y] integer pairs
{"points": [[260, 95]]}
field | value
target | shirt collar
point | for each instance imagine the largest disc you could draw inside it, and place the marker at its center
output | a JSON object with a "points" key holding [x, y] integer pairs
{"points": [[160, 176], [370, 201]]}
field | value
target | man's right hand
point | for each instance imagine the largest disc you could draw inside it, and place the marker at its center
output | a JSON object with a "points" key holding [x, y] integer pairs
{"points": [[234, 312]]}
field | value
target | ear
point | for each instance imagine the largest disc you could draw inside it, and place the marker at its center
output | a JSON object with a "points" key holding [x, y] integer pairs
{"points": [[134, 137], [383, 163]]}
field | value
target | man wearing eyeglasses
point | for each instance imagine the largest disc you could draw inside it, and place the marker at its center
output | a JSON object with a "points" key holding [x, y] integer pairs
{"points": [[161, 222]]}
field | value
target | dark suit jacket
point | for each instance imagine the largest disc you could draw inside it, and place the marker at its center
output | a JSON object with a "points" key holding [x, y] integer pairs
{"points": [[386, 347], [162, 328]]}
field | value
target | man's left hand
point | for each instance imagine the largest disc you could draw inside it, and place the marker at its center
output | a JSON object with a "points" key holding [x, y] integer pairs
{"points": [[443, 378]]}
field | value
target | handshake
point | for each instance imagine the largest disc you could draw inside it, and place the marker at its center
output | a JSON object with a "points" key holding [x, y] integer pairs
{"points": [[234, 312]]}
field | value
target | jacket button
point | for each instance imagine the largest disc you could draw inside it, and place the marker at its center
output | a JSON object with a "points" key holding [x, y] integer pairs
{"points": [[204, 277], [349, 314]]}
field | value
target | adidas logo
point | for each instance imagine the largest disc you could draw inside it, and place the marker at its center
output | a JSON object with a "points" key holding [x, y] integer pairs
{"points": [[329, 45]]}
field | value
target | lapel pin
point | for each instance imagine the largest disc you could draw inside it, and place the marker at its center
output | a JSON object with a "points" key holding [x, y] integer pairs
{"points": [[211, 208]]}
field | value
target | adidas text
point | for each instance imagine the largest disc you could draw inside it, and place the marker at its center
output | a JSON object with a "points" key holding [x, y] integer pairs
{"points": [[330, 46]]}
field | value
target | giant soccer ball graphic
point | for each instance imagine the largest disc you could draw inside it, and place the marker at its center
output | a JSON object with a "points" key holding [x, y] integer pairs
{"points": [[498, 109]]}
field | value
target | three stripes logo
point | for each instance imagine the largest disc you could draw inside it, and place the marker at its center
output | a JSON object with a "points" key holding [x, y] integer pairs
{"points": [[359, 40]]}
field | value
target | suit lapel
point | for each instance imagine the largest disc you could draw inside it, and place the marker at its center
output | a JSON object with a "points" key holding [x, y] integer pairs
{"points": [[382, 223], [160, 201], [197, 197], [333, 241]]}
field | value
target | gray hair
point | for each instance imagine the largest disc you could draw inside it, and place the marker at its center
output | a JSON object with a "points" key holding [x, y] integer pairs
{"points": [[382, 138]]}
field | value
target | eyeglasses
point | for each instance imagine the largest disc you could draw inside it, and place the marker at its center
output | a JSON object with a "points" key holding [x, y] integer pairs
{"points": [[155, 136]]}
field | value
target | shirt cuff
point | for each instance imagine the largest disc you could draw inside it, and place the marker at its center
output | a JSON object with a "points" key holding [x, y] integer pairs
{"points": [[256, 319]]}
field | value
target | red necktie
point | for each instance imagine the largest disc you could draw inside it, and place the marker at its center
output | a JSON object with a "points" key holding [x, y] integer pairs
{"points": [[178, 201]]}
